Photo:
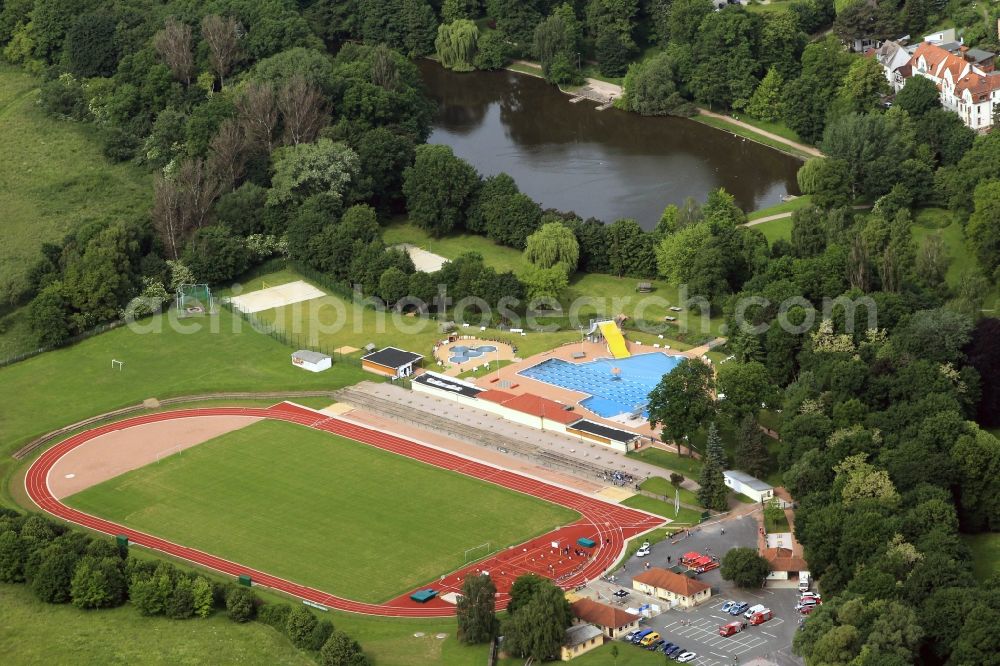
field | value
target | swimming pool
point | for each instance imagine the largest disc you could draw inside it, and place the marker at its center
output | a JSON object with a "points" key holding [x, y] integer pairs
{"points": [[610, 394], [462, 353]]}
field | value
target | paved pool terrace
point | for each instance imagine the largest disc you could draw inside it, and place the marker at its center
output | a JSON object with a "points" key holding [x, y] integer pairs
{"points": [[615, 386]]}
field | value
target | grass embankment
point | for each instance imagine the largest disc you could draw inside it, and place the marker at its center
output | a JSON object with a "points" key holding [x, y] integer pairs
{"points": [[665, 509], [37, 633], [53, 179], [722, 124], [660, 486], [789, 206], [319, 509]]}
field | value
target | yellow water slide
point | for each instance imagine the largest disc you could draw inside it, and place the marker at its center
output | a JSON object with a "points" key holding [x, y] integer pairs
{"points": [[616, 342]]}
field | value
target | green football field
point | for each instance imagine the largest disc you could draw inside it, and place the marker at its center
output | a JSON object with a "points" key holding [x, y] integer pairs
{"points": [[319, 509]]}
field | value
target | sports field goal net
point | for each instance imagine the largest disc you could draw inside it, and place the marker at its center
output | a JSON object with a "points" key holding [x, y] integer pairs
{"points": [[478, 552], [194, 300]]}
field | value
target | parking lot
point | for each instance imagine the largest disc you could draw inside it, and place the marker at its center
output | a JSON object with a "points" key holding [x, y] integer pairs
{"points": [[697, 629]]}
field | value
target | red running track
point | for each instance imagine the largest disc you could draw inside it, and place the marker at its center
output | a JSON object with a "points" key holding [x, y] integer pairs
{"points": [[608, 524]]}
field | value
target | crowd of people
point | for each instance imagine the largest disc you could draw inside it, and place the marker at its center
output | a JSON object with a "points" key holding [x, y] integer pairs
{"points": [[620, 479]]}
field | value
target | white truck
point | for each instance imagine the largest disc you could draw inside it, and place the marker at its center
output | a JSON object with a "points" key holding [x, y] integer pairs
{"points": [[803, 581]]}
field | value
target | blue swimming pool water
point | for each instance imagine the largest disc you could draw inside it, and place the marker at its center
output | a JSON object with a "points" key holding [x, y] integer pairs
{"points": [[462, 353], [609, 396]]}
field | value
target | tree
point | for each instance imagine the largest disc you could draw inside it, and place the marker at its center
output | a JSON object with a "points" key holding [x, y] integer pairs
{"points": [[684, 19], [341, 650], [544, 283], [13, 554], [712, 493], [456, 45], [303, 111], [324, 167], [90, 48], [181, 203], [744, 567], [612, 52], [650, 88], [48, 315], [221, 34], [537, 626], [857, 480], [241, 604], [682, 400], [765, 104], [476, 610], [203, 602], [299, 626], [630, 249], [864, 86], [978, 642], [751, 453], [453, 10], [745, 386], [90, 587], [438, 188], [420, 27], [983, 230], [918, 96], [511, 219], [52, 581], [492, 52], [173, 44], [713, 446], [807, 98], [977, 456], [553, 244], [873, 146], [216, 255]]}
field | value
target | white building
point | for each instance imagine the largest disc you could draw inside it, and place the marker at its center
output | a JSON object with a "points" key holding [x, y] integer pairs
{"points": [[752, 487], [311, 361]]}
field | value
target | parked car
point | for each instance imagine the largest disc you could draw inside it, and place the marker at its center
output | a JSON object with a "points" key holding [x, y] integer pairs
{"points": [[639, 636], [621, 593], [739, 608], [808, 601], [675, 650], [686, 657], [810, 595], [727, 606], [730, 629], [648, 639], [667, 647], [655, 645], [642, 552], [756, 608], [630, 635], [761, 617], [805, 610]]}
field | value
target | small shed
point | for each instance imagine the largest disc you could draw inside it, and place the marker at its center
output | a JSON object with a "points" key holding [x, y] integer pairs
{"points": [[391, 362], [311, 361], [752, 487], [580, 639], [644, 287]]}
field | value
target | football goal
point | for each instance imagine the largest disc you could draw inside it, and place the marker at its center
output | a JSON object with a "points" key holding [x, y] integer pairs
{"points": [[194, 300]]}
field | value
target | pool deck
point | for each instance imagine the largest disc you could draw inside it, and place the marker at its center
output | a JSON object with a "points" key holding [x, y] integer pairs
{"points": [[442, 355], [593, 350]]}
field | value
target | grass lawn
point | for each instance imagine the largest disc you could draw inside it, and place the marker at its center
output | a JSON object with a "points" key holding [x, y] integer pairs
{"points": [[689, 467], [66, 385], [53, 179], [492, 366], [931, 221], [776, 526], [783, 207], [775, 229], [985, 553], [660, 486], [329, 515], [39, 633], [665, 509]]}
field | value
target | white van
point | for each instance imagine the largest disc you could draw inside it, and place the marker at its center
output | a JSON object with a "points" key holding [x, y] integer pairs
{"points": [[753, 610], [803, 581]]}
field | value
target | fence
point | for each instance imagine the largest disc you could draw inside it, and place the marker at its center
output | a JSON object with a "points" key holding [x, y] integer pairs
{"points": [[97, 330]]}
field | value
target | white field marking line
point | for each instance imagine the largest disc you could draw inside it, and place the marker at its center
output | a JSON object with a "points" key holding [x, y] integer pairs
{"points": [[767, 634], [719, 655]]}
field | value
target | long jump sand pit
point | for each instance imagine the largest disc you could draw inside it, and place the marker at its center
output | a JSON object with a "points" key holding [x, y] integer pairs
{"points": [[121, 451], [276, 297]]}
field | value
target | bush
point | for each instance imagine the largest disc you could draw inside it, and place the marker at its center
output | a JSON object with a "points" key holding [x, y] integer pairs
{"points": [[299, 626], [492, 51], [320, 634], [341, 650], [180, 605], [63, 98], [676, 479], [274, 615], [241, 604], [215, 255], [51, 583]]}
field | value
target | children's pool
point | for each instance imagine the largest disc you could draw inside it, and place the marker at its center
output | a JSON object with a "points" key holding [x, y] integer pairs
{"points": [[463, 353], [611, 393]]}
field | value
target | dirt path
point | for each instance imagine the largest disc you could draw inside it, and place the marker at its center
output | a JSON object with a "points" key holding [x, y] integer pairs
{"points": [[123, 450], [808, 150]]}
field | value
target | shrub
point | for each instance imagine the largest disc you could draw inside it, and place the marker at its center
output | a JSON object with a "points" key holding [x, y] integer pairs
{"points": [[299, 627], [241, 604], [274, 615]]}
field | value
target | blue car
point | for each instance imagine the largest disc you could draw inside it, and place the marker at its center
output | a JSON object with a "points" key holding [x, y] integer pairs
{"points": [[726, 607], [739, 608], [667, 647], [639, 636], [675, 650]]}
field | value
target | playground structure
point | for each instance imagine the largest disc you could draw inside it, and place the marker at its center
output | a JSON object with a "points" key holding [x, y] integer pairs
{"points": [[194, 300]]}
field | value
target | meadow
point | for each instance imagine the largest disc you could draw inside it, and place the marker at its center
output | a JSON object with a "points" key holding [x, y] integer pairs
{"points": [[53, 179], [319, 509]]}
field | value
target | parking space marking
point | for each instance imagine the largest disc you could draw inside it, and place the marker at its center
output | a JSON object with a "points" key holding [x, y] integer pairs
{"points": [[767, 634]]}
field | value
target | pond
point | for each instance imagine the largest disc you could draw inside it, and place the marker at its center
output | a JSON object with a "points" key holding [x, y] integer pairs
{"points": [[605, 164]]}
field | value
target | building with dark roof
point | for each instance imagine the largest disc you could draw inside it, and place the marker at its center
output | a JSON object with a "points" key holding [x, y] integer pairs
{"points": [[580, 639], [611, 620], [391, 362]]}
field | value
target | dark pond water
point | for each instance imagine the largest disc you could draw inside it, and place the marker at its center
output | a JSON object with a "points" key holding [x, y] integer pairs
{"points": [[606, 164]]}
